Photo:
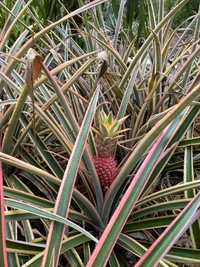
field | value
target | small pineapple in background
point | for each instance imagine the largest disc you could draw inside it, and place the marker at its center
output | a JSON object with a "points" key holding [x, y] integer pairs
{"points": [[106, 137]]}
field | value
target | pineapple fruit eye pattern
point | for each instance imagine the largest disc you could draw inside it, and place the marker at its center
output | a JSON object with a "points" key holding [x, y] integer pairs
{"points": [[99, 133], [106, 167], [107, 133]]}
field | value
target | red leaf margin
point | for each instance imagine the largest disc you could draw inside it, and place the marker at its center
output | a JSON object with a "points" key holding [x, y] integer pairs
{"points": [[3, 252]]}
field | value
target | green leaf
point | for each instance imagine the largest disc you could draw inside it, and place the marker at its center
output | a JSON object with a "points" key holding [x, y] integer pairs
{"points": [[134, 247], [64, 196], [171, 234], [3, 253], [46, 214]]}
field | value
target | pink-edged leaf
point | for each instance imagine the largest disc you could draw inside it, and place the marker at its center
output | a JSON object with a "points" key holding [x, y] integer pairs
{"points": [[109, 237], [3, 254], [171, 234], [76, 128], [39, 35], [143, 146], [10, 19], [56, 231], [189, 177]]}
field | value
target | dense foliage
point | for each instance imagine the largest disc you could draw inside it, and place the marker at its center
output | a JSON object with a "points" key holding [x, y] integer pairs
{"points": [[99, 121]]}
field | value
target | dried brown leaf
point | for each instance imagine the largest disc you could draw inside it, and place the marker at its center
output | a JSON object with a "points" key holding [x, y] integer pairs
{"points": [[104, 60], [33, 69]]}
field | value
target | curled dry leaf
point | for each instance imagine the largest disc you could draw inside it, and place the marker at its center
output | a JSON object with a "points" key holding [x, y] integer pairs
{"points": [[103, 66], [104, 60], [33, 69]]}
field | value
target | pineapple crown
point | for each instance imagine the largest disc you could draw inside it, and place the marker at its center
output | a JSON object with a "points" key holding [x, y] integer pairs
{"points": [[107, 128]]}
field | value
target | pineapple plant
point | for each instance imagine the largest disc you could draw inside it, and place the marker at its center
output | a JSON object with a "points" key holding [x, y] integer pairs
{"points": [[107, 133]]}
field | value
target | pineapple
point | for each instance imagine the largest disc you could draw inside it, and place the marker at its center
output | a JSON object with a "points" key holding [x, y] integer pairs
{"points": [[107, 134]]}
